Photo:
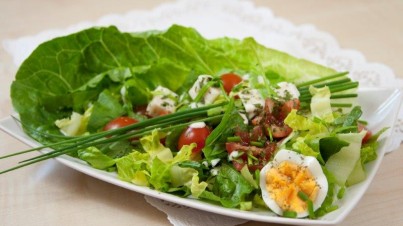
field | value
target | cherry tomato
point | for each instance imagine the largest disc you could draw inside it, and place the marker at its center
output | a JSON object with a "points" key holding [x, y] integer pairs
{"points": [[367, 135], [238, 165], [287, 107], [194, 135], [230, 80], [119, 122], [280, 131]]}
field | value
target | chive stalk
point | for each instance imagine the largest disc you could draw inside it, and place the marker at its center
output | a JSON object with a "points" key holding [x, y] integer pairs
{"points": [[304, 197], [69, 149], [133, 134], [337, 82], [329, 209], [340, 194], [289, 214], [180, 115], [166, 122], [257, 144], [308, 83], [203, 90], [341, 105], [311, 213], [234, 139], [342, 96]]}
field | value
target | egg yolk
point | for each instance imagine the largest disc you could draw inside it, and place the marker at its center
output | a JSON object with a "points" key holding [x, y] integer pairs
{"points": [[285, 181]]}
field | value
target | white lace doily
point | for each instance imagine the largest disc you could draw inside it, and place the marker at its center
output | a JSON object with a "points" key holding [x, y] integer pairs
{"points": [[179, 215], [234, 19]]}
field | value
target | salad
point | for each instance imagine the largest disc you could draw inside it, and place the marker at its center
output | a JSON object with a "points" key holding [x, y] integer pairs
{"points": [[226, 121]]}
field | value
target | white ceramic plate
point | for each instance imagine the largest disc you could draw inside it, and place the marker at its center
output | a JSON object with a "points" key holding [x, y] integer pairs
{"points": [[380, 108]]}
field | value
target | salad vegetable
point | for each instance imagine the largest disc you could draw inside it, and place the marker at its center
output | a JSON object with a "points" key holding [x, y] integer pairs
{"points": [[223, 120]]}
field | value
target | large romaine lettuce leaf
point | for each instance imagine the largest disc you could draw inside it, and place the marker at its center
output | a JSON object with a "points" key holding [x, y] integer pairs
{"points": [[68, 73]]}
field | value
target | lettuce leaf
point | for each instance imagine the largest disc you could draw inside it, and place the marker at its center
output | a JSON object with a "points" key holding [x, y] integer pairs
{"points": [[302, 123], [67, 73], [304, 148], [342, 164], [159, 168], [96, 158], [231, 187], [320, 103], [369, 149], [134, 168], [76, 124], [154, 148], [331, 145], [106, 108]]}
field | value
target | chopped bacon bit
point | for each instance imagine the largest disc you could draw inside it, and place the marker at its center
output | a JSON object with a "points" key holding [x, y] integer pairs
{"points": [[244, 135], [263, 154], [269, 123], [257, 134]]}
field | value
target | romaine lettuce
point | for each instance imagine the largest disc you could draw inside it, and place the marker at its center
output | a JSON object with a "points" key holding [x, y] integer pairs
{"points": [[68, 73]]}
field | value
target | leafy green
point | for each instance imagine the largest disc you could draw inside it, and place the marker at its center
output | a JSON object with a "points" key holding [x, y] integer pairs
{"points": [[302, 123], [231, 187], [330, 146], [96, 158], [224, 125], [76, 124], [357, 175], [201, 169], [230, 122], [320, 103], [68, 73], [159, 168], [369, 149], [154, 148], [248, 176], [342, 164], [117, 149], [304, 148], [134, 168], [351, 118], [327, 205], [106, 108]]}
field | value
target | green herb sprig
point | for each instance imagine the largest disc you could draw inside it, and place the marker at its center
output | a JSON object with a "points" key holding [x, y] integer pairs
{"points": [[164, 123], [337, 83]]}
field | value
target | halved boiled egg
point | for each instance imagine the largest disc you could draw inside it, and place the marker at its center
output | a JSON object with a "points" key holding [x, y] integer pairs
{"points": [[287, 175]]}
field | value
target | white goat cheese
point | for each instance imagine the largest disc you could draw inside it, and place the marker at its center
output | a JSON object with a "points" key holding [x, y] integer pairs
{"points": [[287, 90], [252, 101], [211, 94], [164, 101], [245, 119]]}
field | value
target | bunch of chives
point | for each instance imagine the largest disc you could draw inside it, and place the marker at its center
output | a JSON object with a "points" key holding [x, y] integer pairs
{"points": [[338, 85], [164, 123]]}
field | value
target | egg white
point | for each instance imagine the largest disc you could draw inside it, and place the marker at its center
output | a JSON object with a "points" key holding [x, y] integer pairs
{"points": [[310, 162]]}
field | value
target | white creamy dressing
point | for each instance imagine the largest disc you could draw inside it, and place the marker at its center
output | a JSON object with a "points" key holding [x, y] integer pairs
{"points": [[197, 125]]}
